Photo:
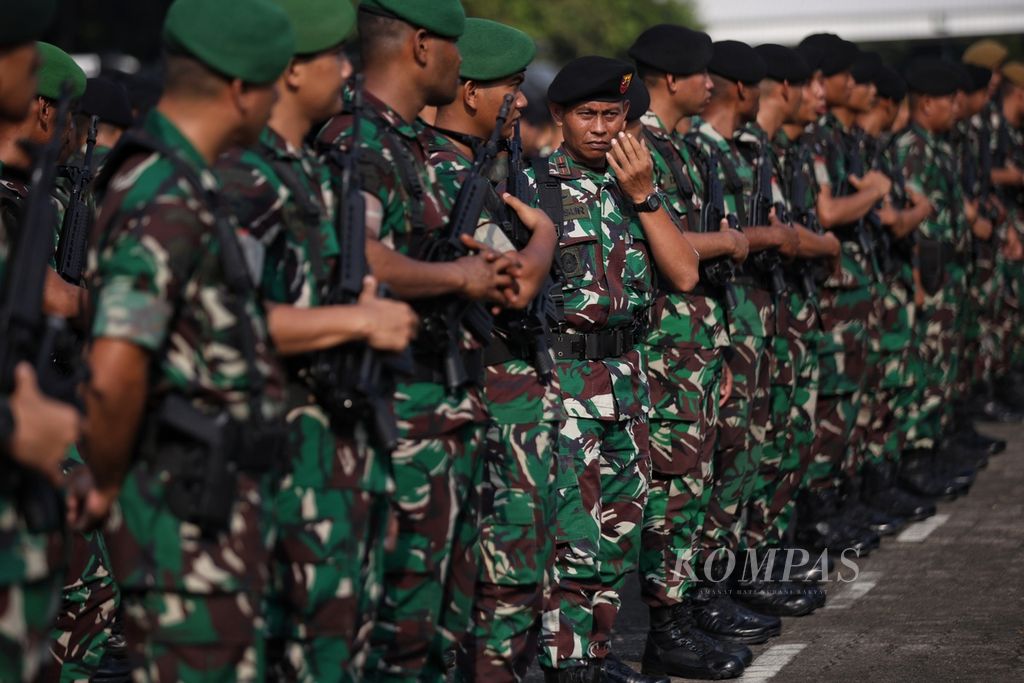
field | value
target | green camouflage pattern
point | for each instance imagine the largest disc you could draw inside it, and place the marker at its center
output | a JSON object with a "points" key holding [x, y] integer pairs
{"points": [[602, 447], [684, 352], [429, 578], [158, 281], [928, 165], [328, 508]]}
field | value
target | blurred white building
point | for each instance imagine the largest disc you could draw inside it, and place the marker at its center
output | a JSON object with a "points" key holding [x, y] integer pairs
{"points": [[787, 21]]}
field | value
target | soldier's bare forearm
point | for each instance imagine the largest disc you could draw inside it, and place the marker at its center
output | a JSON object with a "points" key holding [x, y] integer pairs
{"points": [[115, 399], [813, 245], [301, 330], [711, 245], [410, 278], [838, 211], [762, 237]]}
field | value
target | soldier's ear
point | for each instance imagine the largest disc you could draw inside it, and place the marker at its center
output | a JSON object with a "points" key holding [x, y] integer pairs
{"points": [[470, 95], [420, 46], [671, 83], [557, 113]]}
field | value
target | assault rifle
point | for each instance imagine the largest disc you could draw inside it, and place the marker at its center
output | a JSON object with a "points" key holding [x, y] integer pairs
{"points": [[870, 222], [533, 324], [355, 377], [74, 232], [444, 324], [767, 261], [30, 335], [721, 271]]}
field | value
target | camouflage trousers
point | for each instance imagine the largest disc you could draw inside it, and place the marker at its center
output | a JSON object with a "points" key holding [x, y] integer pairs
{"points": [[787, 447], [1009, 319], [979, 312], [600, 513], [327, 563], [842, 358], [938, 339], [88, 611], [429, 577], [26, 616], [682, 455], [189, 638], [516, 553], [742, 425]]}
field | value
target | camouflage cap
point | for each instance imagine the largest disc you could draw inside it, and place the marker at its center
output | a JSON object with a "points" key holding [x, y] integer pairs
{"points": [[33, 17], [1014, 73], [985, 52], [443, 17], [56, 67], [491, 50], [319, 24], [251, 40]]}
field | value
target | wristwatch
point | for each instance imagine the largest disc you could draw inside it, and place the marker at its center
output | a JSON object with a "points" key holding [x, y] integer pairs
{"points": [[649, 205]]}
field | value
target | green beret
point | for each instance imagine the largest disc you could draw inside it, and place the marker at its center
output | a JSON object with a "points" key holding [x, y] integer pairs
{"points": [[33, 17], [491, 50], [443, 17], [251, 40], [56, 67], [319, 24]]}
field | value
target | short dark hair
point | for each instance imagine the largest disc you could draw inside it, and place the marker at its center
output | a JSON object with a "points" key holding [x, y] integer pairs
{"points": [[185, 75], [379, 36]]}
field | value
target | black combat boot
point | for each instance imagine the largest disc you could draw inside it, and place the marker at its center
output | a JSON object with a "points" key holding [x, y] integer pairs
{"points": [[917, 475], [676, 647], [617, 671], [818, 526], [776, 598], [864, 514], [589, 672], [880, 492], [723, 618], [1009, 389]]}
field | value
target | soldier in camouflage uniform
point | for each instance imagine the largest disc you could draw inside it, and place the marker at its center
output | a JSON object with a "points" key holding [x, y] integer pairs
{"points": [[430, 575], [896, 362], [737, 71], [846, 297], [598, 188], [942, 252], [788, 96], [35, 432], [181, 359], [331, 507], [522, 398], [684, 353]]}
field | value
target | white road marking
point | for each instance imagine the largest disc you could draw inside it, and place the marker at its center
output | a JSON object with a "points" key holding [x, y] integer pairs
{"points": [[853, 591], [916, 533], [770, 662]]}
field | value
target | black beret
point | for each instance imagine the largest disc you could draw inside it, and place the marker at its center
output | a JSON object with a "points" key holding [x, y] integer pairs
{"points": [[639, 99], [932, 76], [964, 82], [784, 63], [737, 62], [890, 84], [673, 49], [828, 52], [592, 78], [108, 100], [980, 77], [866, 68]]}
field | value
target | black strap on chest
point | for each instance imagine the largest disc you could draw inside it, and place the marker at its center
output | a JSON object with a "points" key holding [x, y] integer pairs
{"points": [[549, 196], [405, 164], [311, 212], [675, 166], [136, 143], [733, 182]]}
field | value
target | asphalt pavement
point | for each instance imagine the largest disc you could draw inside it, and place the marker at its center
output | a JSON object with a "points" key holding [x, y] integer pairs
{"points": [[941, 601]]}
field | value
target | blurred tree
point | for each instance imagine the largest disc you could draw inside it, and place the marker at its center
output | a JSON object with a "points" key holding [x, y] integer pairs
{"points": [[565, 29]]}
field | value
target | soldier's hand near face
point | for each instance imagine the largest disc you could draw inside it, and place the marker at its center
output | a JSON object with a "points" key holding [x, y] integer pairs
{"points": [[392, 324], [44, 429], [631, 161]]}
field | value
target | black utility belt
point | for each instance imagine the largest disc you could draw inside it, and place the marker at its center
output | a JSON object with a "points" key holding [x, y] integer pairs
{"points": [[502, 349], [707, 291], [429, 367], [595, 345]]}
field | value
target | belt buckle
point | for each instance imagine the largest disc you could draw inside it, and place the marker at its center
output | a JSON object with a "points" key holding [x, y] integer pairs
{"points": [[592, 346]]}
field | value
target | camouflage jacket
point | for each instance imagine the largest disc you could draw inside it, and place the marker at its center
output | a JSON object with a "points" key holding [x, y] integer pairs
{"points": [[832, 149], [929, 168], [25, 556], [158, 283], [513, 391], [607, 284], [753, 315], [393, 169], [680, 321]]}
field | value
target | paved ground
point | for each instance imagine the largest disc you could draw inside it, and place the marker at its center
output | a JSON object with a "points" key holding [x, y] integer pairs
{"points": [[942, 602]]}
